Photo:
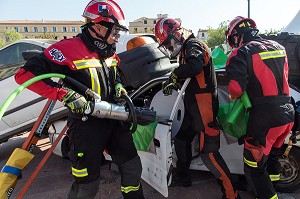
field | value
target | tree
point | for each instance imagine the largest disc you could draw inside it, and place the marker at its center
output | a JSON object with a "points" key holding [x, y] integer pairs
{"points": [[11, 36], [2, 43], [216, 37], [272, 31], [45, 35]]}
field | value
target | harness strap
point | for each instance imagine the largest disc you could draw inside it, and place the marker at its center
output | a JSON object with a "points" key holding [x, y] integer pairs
{"points": [[271, 100]]}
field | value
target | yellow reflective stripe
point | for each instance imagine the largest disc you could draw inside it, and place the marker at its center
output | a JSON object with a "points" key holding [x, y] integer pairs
{"points": [[129, 188], [95, 80], [79, 172], [250, 163], [111, 62], [272, 54], [274, 177], [274, 197], [94, 63], [115, 72], [87, 63]]}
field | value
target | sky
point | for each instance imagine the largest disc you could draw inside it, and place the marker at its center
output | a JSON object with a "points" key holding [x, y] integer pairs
{"points": [[195, 14]]}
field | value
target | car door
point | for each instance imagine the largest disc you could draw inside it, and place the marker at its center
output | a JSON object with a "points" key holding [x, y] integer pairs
{"points": [[157, 161]]}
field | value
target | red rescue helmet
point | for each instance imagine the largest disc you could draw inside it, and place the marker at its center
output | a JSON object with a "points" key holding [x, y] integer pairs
{"points": [[164, 28], [237, 27], [105, 11]]}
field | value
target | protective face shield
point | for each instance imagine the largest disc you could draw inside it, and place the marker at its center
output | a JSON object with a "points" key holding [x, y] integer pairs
{"points": [[117, 32], [172, 48]]}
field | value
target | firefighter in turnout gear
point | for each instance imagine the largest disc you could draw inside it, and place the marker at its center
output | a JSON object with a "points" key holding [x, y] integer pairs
{"points": [[260, 68], [90, 58], [201, 104]]}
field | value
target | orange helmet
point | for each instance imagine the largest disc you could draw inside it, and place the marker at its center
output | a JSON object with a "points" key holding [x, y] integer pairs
{"points": [[237, 27], [164, 28], [105, 10]]}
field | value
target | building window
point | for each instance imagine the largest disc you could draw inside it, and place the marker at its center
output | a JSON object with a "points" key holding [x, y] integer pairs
{"points": [[16, 29], [146, 30], [145, 21], [35, 29], [152, 30], [203, 34], [44, 29], [54, 29], [135, 30], [25, 29], [73, 29], [64, 29], [154, 21]]}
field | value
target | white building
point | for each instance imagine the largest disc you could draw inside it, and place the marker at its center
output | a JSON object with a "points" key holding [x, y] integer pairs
{"points": [[146, 25]]}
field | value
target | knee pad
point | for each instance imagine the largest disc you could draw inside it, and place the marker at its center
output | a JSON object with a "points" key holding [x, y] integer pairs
{"points": [[131, 172]]}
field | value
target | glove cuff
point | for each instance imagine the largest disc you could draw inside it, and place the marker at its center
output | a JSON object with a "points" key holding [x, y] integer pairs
{"points": [[61, 93], [118, 85]]}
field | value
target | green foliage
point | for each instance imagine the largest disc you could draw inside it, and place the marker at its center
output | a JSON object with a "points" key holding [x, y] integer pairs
{"points": [[46, 35], [216, 37], [271, 31], [2, 43], [11, 36]]}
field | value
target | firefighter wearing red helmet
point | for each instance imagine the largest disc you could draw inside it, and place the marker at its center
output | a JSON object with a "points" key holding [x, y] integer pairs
{"points": [[94, 64], [260, 68], [201, 104]]}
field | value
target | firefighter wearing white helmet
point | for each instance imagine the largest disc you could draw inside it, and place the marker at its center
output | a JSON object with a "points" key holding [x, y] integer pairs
{"points": [[94, 64]]}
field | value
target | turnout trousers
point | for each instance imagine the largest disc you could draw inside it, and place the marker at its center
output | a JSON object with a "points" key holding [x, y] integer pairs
{"points": [[199, 120], [88, 140], [268, 126]]}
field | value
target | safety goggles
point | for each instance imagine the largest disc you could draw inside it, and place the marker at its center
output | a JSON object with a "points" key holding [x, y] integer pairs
{"points": [[116, 32]]}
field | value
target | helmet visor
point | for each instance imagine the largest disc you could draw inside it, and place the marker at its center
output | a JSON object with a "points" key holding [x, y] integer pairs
{"points": [[170, 49], [117, 31]]}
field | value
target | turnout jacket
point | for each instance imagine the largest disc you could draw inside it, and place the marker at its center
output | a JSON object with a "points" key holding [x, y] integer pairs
{"points": [[195, 61], [76, 59], [259, 67]]}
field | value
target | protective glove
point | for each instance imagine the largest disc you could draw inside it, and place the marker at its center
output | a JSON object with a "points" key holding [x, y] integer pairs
{"points": [[76, 102], [119, 90], [170, 84]]}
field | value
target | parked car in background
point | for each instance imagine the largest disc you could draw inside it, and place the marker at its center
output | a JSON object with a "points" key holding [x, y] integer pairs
{"points": [[24, 110]]}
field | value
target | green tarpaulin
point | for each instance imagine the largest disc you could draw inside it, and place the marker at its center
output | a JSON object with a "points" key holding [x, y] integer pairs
{"points": [[219, 58], [234, 116], [143, 136]]}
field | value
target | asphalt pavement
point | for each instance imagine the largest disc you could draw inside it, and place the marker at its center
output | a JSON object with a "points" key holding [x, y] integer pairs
{"points": [[55, 179]]}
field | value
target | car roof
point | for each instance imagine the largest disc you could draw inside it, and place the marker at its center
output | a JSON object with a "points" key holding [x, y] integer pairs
{"points": [[39, 42], [121, 45]]}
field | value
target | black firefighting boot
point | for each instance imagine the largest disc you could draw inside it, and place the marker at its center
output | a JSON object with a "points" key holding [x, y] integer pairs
{"points": [[182, 176], [238, 197]]}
